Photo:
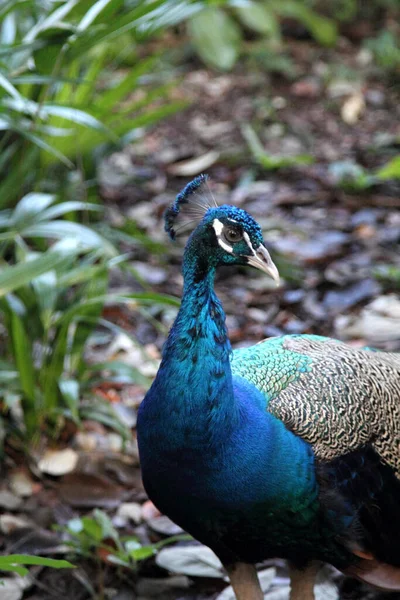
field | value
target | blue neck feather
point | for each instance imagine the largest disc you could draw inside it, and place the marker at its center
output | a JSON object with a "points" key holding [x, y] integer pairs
{"points": [[195, 376]]}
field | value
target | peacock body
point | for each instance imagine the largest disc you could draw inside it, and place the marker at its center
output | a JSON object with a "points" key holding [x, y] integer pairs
{"points": [[290, 448]]}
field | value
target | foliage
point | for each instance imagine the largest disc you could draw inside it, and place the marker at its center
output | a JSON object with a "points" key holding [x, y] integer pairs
{"points": [[15, 563], [61, 80], [388, 275], [353, 177], [217, 31], [268, 161], [96, 537], [51, 300], [386, 49]]}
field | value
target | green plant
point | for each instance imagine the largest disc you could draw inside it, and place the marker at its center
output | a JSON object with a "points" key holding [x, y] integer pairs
{"points": [[217, 29], [386, 50], [96, 537], [388, 275], [51, 301], [268, 161], [71, 78], [353, 177], [16, 563]]}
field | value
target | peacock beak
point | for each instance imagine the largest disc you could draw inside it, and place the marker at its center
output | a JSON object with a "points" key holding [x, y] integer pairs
{"points": [[262, 260]]}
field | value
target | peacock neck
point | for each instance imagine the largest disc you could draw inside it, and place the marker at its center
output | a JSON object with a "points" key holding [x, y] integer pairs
{"points": [[194, 381]]}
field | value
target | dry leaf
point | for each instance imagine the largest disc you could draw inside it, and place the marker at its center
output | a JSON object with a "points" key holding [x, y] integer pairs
{"points": [[130, 511], [195, 561], [353, 108], [194, 166], [12, 588], [164, 525], [21, 484], [58, 462], [9, 501], [85, 489]]}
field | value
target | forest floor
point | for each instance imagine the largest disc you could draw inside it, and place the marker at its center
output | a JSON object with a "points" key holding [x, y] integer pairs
{"points": [[334, 232]]}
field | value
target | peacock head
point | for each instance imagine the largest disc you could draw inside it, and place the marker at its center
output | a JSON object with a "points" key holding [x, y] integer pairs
{"points": [[224, 235]]}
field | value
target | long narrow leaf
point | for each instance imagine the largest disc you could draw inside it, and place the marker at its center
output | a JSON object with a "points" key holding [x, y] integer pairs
{"points": [[9, 88], [92, 14], [11, 278], [65, 229], [65, 207], [26, 559], [77, 116], [110, 97], [29, 206], [22, 350]]}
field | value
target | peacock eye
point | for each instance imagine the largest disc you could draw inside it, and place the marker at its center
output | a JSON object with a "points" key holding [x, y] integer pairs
{"points": [[233, 235]]}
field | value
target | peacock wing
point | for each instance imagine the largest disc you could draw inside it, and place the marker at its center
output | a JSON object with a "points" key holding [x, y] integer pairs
{"points": [[335, 397]]}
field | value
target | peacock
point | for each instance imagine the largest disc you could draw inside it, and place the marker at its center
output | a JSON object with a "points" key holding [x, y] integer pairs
{"points": [[289, 448]]}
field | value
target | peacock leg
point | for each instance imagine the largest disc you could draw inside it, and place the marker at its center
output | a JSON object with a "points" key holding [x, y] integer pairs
{"points": [[302, 582], [244, 580]]}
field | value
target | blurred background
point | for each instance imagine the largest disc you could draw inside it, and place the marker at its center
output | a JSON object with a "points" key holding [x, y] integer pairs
{"points": [[107, 109]]}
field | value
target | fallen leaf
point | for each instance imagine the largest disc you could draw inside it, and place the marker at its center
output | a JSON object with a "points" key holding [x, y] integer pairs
{"points": [[378, 322], [130, 511], [195, 561], [85, 489], [58, 462], [12, 588], [9, 523], [9, 501], [337, 301], [194, 166], [353, 108], [164, 525], [21, 483]]}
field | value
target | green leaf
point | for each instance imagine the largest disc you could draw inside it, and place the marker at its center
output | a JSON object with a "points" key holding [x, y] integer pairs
{"points": [[77, 116], [94, 289], [114, 28], [23, 356], [321, 28], [142, 553], [92, 14], [107, 528], [41, 143], [22, 350], [67, 229], [110, 97], [66, 207], [391, 170], [12, 278], [52, 20], [9, 88], [123, 372], [92, 528], [69, 389], [25, 559], [259, 18], [216, 37], [268, 161], [29, 206]]}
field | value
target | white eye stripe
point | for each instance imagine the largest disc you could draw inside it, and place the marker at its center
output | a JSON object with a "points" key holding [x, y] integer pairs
{"points": [[225, 246], [248, 242], [218, 228]]}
